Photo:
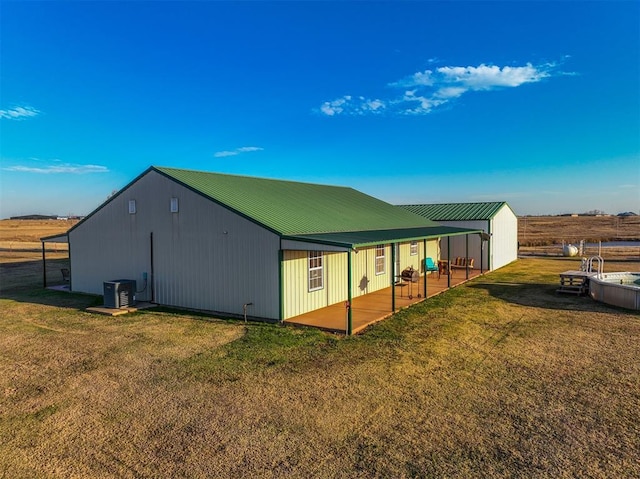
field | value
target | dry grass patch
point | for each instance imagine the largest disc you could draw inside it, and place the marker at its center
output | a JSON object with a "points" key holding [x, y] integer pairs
{"points": [[544, 234], [16, 235], [30, 231], [76, 385], [540, 230]]}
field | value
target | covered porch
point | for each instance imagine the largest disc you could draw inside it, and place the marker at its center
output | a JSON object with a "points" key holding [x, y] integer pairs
{"points": [[373, 307], [56, 273], [354, 312]]}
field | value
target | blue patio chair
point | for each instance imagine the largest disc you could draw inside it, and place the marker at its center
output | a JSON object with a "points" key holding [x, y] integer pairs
{"points": [[429, 265]]}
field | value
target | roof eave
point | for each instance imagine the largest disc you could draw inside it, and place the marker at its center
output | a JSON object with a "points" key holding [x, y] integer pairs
{"points": [[59, 238], [354, 245]]}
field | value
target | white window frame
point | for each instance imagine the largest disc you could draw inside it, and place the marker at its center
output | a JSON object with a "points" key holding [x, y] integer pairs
{"points": [[381, 260], [315, 270], [413, 251]]}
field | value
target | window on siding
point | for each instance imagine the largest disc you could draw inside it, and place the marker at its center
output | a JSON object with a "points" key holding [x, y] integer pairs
{"points": [[414, 248], [380, 260], [132, 207], [174, 205], [316, 270]]}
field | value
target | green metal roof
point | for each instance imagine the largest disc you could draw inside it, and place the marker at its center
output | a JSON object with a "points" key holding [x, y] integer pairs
{"points": [[307, 212], [457, 211], [293, 208]]}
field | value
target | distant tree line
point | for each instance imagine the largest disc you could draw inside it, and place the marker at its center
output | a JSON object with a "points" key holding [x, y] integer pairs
{"points": [[45, 217], [588, 213], [34, 217]]}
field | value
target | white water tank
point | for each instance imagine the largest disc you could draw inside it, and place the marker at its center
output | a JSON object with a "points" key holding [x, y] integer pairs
{"points": [[569, 250]]}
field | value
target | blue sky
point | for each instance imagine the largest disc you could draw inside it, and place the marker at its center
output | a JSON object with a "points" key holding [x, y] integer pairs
{"points": [[533, 103]]}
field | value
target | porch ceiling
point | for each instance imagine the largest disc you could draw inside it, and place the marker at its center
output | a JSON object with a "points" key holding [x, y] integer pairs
{"points": [[359, 239], [63, 238]]}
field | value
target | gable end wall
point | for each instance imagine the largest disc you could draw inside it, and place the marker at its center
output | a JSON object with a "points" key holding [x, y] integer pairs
{"points": [[204, 256]]}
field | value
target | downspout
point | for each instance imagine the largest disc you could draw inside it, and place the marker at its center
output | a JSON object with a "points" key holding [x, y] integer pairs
{"points": [[449, 261], [424, 262], [393, 287], [152, 279], [44, 267], [349, 295], [481, 254]]}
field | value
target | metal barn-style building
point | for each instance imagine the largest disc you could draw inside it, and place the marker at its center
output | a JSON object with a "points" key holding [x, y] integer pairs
{"points": [[499, 224], [262, 248]]}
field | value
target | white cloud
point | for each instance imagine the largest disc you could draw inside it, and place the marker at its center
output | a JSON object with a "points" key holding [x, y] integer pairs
{"points": [[485, 77], [246, 149], [424, 78], [447, 93], [413, 104], [426, 90], [18, 113], [59, 168], [353, 106], [373, 105], [334, 107], [237, 151], [222, 154]]}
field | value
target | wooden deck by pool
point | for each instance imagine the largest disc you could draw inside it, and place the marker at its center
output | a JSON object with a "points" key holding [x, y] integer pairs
{"points": [[374, 307]]}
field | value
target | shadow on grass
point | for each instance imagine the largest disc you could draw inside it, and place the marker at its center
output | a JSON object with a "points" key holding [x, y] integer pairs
{"points": [[539, 295], [46, 297], [22, 281]]}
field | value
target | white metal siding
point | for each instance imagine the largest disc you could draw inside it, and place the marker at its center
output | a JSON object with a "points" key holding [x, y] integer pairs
{"points": [[504, 228], [501, 249], [205, 256]]}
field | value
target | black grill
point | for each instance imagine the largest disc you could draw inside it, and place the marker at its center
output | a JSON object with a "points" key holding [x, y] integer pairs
{"points": [[410, 274]]}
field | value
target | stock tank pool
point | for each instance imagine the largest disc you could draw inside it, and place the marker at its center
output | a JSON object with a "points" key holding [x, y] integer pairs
{"points": [[618, 289]]}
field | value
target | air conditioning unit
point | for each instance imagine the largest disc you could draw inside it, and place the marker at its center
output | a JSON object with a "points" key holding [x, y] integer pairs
{"points": [[119, 293]]}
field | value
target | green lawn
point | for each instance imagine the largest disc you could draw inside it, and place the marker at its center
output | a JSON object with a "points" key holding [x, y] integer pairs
{"points": [[501, 377]]}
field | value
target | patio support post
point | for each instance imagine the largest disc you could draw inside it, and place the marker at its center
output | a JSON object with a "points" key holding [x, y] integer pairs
{"points": [[281, 283], [44, 267], [349, 295], [393, 280], [489, 246], [466, 254], [449, 261], [481, 254], [424, 247]]}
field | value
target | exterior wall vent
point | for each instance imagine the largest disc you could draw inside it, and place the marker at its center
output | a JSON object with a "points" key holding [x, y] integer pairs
{"points": [[132, 207], [174, 205]]}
